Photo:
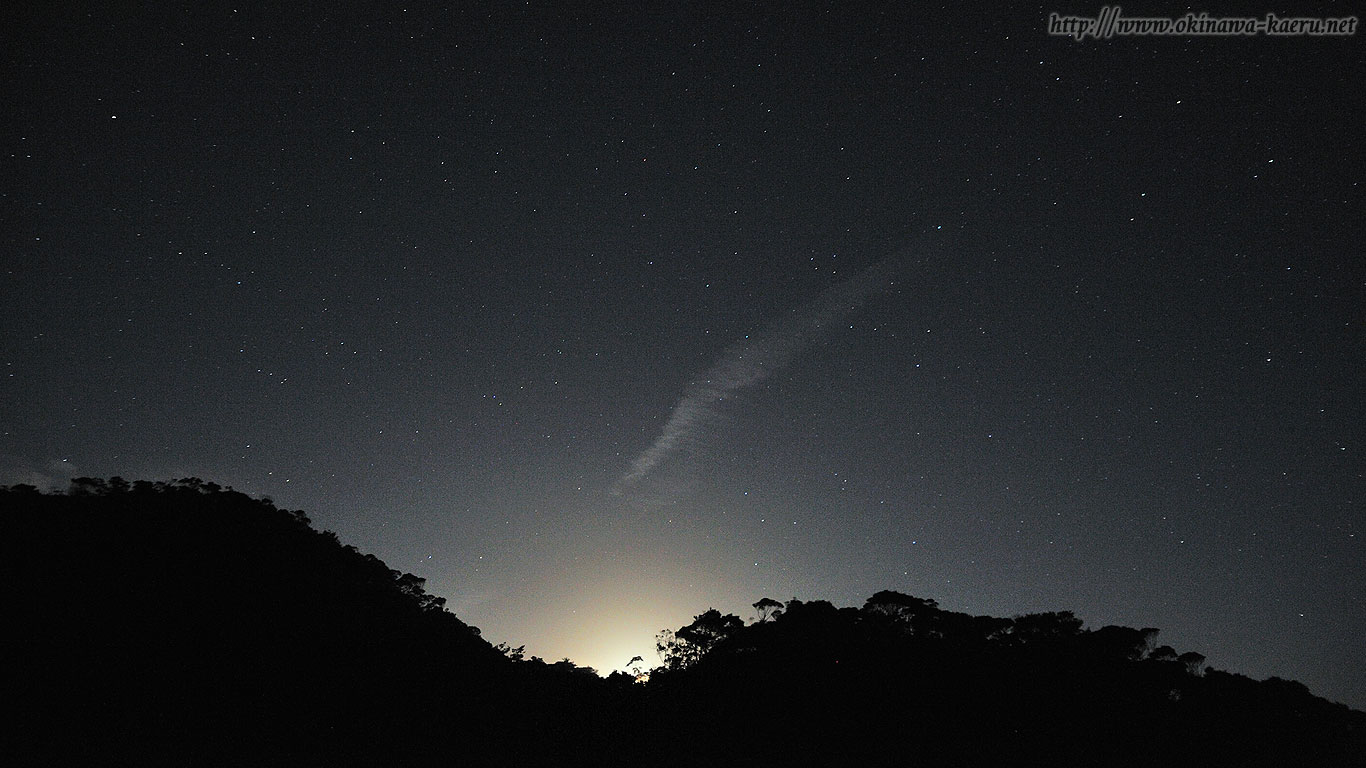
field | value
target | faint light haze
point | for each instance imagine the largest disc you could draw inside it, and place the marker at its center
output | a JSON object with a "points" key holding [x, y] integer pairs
{"points": [[752, 360]]}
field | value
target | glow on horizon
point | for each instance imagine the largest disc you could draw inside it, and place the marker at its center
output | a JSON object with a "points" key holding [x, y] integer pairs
{"points": [[604, 620]]}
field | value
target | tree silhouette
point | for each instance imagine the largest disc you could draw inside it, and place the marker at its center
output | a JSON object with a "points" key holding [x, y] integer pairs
{"points": [[1050, 627], [1123, 642], [1193, 662], [685, 646], [1162, 653], [898, 605], [766, 608], [913, 614]]}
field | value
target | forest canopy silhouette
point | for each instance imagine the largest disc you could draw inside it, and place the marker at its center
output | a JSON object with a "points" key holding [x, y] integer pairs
{"points": [[174, 623]]}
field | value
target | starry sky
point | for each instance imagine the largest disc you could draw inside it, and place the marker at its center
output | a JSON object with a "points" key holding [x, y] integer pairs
{"points": [[597, 317]]}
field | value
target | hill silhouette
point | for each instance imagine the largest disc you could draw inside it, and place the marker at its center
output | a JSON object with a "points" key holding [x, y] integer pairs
{"points": [[184, 623]]}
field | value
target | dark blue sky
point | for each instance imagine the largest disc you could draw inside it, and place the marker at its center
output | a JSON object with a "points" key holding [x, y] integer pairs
{"points": [[440, 275]]}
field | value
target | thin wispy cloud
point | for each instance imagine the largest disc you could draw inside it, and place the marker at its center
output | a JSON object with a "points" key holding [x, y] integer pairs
{"points": [[751, 361]]}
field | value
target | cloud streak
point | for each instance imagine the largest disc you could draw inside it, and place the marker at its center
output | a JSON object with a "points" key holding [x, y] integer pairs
{"points": [[751, 361]]}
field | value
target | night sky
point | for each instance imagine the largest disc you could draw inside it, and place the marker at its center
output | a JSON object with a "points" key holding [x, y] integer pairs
{"points": [[599, 318]]}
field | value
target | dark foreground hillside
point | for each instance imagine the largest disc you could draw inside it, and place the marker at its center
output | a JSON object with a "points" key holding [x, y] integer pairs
{"points": [[901, 682], [186, 624]]}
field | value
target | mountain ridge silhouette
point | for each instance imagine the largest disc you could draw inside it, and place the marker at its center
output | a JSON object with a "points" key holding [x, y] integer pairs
{"points": [[184, 623]]}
